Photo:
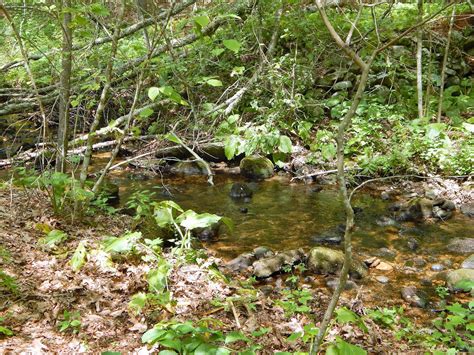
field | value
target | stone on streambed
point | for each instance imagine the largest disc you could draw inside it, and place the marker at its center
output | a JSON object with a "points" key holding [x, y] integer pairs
{"points": [[468, 209], [255, 167], [270, 265], [323, 260], [413, 296], [189, 168], [457, 280], [468, 263], [240, 191], [461, 245], [382, 279], [333, 236], [333, 283], [245, 260], [423, 208]]}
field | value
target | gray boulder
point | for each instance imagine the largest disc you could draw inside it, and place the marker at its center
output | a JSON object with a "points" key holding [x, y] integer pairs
{"points": [[461, 245], [322, 260], [266, 267], [468, 209], [240, 191], [468, 263]]}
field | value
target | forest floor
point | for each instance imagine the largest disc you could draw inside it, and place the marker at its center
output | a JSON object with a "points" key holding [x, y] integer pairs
{"points": [[47, 287]]}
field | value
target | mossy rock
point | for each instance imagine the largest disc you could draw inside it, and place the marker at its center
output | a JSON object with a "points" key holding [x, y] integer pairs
{"points": [[255, 167], [189, 167], [323, 260], [460, 280]]}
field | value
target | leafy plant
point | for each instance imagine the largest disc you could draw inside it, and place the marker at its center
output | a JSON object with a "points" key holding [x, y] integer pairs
{"points": [[53, 239], [4, 330], [71, 321]]}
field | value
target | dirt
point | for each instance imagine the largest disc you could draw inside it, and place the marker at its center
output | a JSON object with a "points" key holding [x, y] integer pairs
{"points": [[48, 287]]}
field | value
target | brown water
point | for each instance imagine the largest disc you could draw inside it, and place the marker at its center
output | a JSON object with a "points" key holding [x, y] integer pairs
{"points": [[284, 215]]}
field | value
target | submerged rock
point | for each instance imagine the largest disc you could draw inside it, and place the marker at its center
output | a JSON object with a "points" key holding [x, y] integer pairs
{"points": [[456, 280], [459, 245], [255, 167], [323, 260], [240, 191], [189, 167], [413, 296], [468, 209], [111, 190], [207, 234], [333, 283], [266, 267], [468, 263], [333, 236], [382, 279]]}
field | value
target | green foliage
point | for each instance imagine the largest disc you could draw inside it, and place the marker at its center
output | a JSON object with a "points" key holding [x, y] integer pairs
{"points": [[5, 331], [53, 239], [8, 283], [189, 338], [71, 322], [79, 257], [295, 301], [341, 347]]}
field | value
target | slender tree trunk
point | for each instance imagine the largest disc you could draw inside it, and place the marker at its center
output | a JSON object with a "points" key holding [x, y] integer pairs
{"points": [[419, 62], [65, 89], [103, 97], [445, 64]]}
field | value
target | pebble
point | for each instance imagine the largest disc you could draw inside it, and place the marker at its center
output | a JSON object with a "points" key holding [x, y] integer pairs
{"points": [[412, 244], [382, 279], [426, 282], [419, 262], [410, 294], [437, 267], [383, 266]]}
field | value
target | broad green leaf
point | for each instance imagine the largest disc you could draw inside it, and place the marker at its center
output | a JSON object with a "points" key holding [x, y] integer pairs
{"points": [[147, 112], [235, 336], [79, 257], [110, 353], [328, 151], [294, 336], [202, 21], [99, 10], [214, 82], [153, 335], [344, 315], [153, 93], [232, 45], [171, 93], [123, 244], [53, 238], [138, 301], [172, 137], [192, 220], [217, 51], [167, 352], [284, 145], [157, 278], [230, 146]]}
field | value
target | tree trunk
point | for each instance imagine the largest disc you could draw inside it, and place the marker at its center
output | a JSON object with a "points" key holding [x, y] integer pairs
{"points": [[419, 57], [65, 89], [445, 64]]}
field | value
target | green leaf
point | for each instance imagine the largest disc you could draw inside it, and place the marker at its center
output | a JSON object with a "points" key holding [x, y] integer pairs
{"points": [[111, 353], [99, 10], [153, 335], [5, 331], [192, 220], [294, 336], [328, 151], [123, 244], [214, 82], [138, 301], [235, 336], [167, 352], [230, 146], [172, 137], [202, 21], [146, 112], [344, 315], [285, 145], [53, 238], [153, 93], [232, 45], [343, 348], [217, 51], [79, 257]]}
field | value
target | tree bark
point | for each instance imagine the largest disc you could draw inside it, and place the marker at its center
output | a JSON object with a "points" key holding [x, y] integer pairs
{"points": [[419, 63], [65, 89], [103, 97], [445, 64]]}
